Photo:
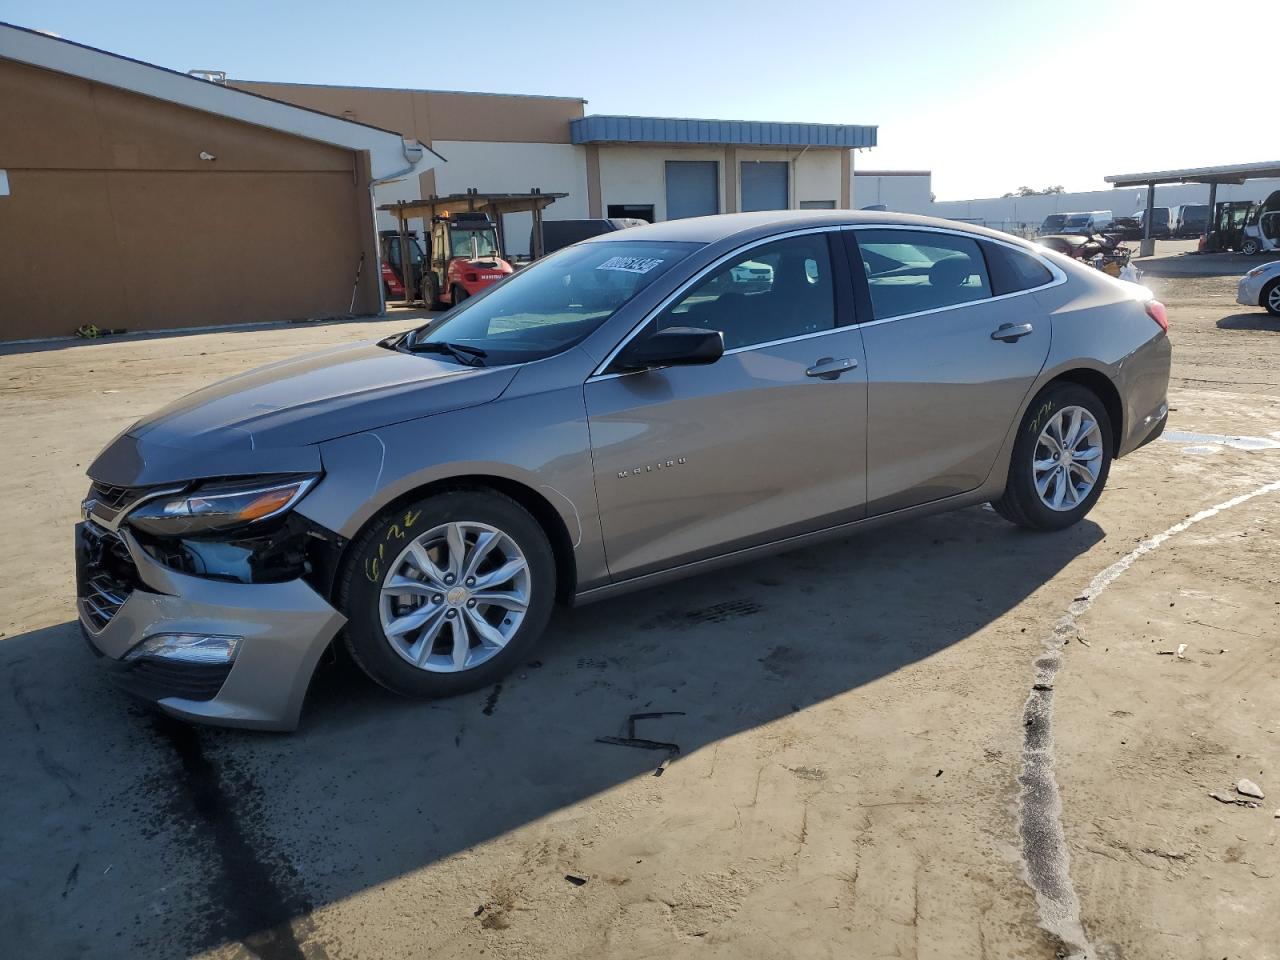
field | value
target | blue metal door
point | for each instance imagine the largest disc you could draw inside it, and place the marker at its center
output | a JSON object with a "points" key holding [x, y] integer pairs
{"points": [[693, 188]]}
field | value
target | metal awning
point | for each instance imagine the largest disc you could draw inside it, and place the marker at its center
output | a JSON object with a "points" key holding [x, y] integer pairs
{"points": [[472, 201], [599, 128], [1232, 173]]}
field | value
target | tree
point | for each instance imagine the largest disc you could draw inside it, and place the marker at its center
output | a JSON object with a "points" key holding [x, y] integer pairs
{"points": [[1032, 192]]}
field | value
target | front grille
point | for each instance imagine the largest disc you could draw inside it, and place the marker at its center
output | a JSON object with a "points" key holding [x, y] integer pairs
{"points": [[157, 679], [114, 497], [105, 574], [102, 600]]}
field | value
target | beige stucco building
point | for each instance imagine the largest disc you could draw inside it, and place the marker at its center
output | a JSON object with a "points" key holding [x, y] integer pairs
{"points": [[653, 168]]}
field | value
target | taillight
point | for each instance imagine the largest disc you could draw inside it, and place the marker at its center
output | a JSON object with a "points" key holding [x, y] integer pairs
{"points": [[1157, 312]]}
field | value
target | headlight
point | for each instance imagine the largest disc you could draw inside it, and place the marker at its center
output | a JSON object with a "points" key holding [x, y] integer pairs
{"points": [[219, 506], [1258, 271]]}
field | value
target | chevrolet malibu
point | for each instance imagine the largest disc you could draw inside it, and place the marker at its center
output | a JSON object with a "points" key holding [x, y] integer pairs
{"points": [[632, 409]]}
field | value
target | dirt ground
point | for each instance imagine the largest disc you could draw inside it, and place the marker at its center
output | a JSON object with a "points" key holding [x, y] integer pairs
{"points": [[850, 721]]}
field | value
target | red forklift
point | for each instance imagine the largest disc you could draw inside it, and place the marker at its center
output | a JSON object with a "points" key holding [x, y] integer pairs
{"points": [[462, 259]]}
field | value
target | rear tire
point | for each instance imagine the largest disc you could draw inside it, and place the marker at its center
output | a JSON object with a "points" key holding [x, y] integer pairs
{"points": [[1061, 459], [1250, 246], [1270, 299], [459, 294], [421, 619]]}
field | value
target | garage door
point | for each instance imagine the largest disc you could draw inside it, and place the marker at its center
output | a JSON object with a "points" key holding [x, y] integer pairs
{"points": [[693, 188], [764, 185]]}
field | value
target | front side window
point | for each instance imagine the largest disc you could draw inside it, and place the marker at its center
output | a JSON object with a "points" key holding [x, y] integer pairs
{"points": [[772, 292], [909, 271], [553, 304]]}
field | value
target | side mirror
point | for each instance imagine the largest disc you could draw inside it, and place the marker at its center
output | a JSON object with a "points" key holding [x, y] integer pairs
{"points": [[672, 347]]}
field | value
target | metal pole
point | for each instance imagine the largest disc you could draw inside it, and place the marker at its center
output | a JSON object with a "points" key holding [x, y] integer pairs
{"points": [[1211, 223], [406, 266], [1148, 246], [536, 252]]}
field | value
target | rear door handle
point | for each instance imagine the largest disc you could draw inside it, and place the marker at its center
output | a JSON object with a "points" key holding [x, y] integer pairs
{"points": [[828, 368], [1009, 332]]}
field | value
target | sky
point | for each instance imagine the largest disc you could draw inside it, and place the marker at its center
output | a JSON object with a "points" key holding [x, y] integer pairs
{"points": [[988, 95]]}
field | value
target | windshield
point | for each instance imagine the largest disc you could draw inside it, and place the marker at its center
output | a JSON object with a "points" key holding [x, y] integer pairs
{"points": [[553, 304], [486, 242], [1078, 220]]}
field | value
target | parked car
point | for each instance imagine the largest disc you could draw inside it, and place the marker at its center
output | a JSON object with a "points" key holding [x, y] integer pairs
{"points": [[617, 415], [1160, 229], [1126, 228], [1085, 223], [1190, 220], [1261, 232], [561, 233], [1260, 287]]}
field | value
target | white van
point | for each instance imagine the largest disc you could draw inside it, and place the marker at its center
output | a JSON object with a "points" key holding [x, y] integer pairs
{"points": [[1091, 221]]}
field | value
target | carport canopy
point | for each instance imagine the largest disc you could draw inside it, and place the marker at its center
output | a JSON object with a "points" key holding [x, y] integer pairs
{"points": [[1235, 173], [494, 204]]}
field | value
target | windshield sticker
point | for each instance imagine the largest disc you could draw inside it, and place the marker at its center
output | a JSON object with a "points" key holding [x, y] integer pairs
{"points": [[630, 264]]}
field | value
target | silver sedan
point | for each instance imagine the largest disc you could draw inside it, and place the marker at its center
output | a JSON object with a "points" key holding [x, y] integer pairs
{"points": [[638, 407], [1260, 287]]}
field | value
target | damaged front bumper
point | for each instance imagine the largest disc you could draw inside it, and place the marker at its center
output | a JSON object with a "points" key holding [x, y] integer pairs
{"points": [[276, 633]]}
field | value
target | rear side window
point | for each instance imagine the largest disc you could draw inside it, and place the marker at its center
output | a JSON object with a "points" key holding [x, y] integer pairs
{"points": [[909, 271], [1013, 270]]}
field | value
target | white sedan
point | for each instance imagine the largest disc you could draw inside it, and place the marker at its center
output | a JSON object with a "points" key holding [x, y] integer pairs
{"points": [[1260, 287]]}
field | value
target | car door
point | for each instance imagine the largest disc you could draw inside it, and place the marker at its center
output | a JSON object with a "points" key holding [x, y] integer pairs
{"points": [[767, 442], [949, 359]]}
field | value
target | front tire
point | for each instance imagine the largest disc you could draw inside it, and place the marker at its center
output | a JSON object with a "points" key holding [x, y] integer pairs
{"points": [[1250, 246], [1271, 298], [447, 594], [1061, 459]]}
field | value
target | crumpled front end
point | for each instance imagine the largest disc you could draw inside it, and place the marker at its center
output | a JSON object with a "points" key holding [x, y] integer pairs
{"points": [[213, 631]]}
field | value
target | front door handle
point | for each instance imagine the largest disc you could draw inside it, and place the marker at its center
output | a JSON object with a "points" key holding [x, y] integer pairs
{"points": [[828, 368], [1009, 332]]}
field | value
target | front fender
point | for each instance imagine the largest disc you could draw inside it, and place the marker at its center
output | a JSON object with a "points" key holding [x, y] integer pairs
{"points": [[539, 441]]}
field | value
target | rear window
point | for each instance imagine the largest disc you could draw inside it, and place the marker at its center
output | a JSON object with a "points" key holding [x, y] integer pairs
{"points": [[910, 272], [1013, 270]]}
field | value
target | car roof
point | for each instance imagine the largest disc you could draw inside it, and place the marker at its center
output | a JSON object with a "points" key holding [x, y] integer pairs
{"points": [[748, 226]]}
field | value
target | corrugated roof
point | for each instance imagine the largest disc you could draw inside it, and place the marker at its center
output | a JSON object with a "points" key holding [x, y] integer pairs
{"points": [[615, 129], [1232, 173]]}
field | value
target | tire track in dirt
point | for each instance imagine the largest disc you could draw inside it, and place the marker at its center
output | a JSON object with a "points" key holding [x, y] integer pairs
{"points": [[1046, 862]]}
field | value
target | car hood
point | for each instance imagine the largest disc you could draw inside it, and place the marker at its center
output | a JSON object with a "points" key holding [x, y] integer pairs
{"points": [[271, 418]]}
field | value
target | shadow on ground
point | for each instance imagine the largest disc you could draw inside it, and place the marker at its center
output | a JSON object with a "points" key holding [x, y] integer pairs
{"points": [[1258, 320], [1200, 264], [129, 834]]}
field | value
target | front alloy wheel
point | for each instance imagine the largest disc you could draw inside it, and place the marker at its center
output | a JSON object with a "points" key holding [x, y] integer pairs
{"points": [[455, 596], [1271, 298], [448, 593]]}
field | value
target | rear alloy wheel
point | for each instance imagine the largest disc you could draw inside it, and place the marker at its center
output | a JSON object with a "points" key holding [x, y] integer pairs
{"points": [[1061, 459], [447, 594], [1250, 246], [1271, 298]]}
